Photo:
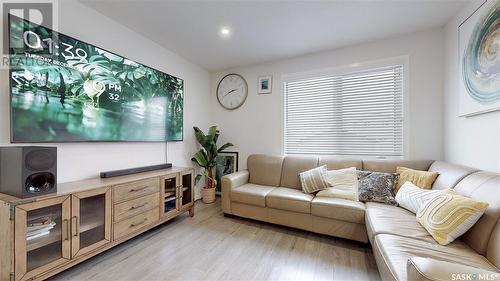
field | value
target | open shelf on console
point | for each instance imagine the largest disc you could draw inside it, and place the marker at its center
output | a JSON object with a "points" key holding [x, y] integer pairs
{"points": [[52, 237]]}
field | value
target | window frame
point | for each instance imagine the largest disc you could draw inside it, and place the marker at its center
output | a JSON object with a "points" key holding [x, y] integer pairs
{"points": [[351, 68]]}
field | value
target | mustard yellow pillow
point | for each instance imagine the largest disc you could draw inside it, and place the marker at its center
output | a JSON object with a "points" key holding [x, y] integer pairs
{"points": [[448, 215], [422, 179]]}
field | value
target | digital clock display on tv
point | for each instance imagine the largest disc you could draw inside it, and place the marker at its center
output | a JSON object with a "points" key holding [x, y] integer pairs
{"points": [[66, 90]]}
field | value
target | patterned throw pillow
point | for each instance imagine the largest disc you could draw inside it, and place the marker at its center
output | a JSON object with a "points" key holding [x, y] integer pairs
{"points": [[314, 179], [343, 183], [422, 179], [377, 187], [411, 197], [448, 215]]}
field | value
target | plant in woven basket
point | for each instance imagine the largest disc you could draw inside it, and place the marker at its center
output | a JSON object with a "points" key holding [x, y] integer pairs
{"points": [[207, 155]]}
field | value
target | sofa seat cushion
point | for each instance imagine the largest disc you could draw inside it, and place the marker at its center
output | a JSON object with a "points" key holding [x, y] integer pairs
{"points": [[385, 219], [339, 209], [252, 194], [393, 252], [289, 199]]}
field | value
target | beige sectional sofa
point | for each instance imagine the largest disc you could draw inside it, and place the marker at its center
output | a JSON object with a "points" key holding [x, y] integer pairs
{"points": [[270, 191]]}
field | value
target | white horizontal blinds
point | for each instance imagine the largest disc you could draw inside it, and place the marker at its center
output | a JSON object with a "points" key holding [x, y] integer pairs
{"points": [[356, 114]]}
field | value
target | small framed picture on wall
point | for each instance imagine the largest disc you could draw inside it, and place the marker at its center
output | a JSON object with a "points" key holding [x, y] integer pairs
{"points": [[265, 84]]}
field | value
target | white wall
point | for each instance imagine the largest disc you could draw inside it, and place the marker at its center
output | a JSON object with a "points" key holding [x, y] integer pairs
{"points": [[85, 160], [472, 141], [256, 127]]}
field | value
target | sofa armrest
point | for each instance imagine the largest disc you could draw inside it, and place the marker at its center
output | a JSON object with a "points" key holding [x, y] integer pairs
{"points": [[425, 269], [229, 182]]}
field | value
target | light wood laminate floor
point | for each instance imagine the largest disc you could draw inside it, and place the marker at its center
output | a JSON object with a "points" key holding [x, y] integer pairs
{"points": [[210, 246]]}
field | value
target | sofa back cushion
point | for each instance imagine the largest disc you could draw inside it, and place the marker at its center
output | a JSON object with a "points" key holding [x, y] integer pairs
{"points": [[337, 163], [485, 187], [265, 169], [389, 166], [493, 250], [449, 174], [293, 166]]}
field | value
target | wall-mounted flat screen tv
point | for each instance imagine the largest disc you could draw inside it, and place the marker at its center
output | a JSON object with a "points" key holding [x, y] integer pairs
{"points": [[66, 90]]}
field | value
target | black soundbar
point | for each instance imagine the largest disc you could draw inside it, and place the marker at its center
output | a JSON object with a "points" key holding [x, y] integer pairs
{"points": [[117, 173]]}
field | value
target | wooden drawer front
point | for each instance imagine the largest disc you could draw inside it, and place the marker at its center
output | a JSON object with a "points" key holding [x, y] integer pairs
{"points": [[133, 207], [129, 226], [127, 191]]}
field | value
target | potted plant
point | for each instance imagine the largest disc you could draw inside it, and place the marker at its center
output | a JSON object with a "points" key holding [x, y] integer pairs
{"points": [[206, 159]]}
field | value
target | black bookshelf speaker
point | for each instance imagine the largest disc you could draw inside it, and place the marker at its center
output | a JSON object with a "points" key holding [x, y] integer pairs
{"points": [[27, 171]]}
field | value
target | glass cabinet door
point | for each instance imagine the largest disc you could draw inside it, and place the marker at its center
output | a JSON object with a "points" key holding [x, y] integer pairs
{"points": [[42, 236], [90, 221], [186, 191], [169, 195]]}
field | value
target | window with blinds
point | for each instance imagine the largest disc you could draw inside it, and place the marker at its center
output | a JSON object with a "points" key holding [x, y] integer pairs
{"points": [[355, 114]]}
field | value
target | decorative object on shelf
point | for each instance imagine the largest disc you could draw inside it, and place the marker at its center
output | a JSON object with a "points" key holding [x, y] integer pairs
{"points": [[232, 91], [227, 163], [479, 59], [39, 227], [206, 158], [265, 84]]}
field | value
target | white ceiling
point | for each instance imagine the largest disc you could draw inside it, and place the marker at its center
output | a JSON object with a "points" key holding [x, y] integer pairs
{"points": [[271, 30]]}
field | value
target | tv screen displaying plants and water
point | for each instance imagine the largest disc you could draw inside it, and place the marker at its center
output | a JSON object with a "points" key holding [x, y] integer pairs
{"points": [[66, 90]]}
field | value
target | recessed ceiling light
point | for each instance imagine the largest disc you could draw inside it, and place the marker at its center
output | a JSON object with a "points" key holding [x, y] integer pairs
{"points": [[225, 32]]}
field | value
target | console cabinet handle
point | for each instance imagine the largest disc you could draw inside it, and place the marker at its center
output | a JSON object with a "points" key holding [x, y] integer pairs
{"points": [[137, 207], [138, 223], [68, 234], [75, 223], [138, 189]]}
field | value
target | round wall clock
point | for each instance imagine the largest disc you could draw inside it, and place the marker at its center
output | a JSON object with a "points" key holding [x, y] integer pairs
{"points": [[232, 91]]}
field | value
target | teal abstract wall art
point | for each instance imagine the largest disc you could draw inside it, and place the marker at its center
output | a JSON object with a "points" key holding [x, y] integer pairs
{"points": [[479, 46], [481, 60]]}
